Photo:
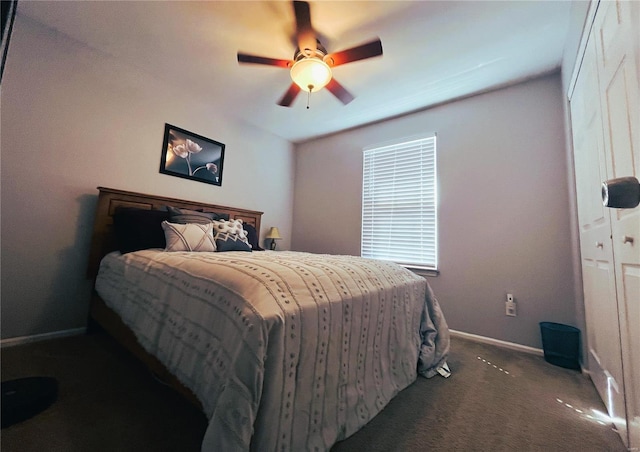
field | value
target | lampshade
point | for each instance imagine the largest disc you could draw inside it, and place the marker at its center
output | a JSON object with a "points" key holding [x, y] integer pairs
{"points": [[273, 234], [311, 74]]}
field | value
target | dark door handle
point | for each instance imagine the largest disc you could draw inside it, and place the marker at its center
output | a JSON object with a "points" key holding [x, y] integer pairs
{"points": [[621, 193]]}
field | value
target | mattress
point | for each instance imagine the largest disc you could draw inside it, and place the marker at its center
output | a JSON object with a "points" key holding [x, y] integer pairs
{"points": [[285, 350]]}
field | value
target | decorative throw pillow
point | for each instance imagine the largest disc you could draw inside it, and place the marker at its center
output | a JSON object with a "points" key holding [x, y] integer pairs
{"points": [[231, 227], [189, 237], [231, 242], [252, 237], [139, 229], [185, 216]]}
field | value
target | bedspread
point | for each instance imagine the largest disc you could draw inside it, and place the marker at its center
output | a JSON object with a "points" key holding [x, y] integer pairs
{"points": [[285, 350]]}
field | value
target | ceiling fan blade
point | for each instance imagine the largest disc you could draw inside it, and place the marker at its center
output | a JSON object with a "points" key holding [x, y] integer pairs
{"points": [[339, 91], [368, 50], [305, 35], [289, 96], [244, 58]]}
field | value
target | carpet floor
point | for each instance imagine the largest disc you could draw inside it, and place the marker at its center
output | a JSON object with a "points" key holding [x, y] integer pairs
{"points": [[496, 400]]}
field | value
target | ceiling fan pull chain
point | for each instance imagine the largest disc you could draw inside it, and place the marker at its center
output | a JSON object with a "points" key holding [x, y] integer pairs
{"points": [[309, 96]]}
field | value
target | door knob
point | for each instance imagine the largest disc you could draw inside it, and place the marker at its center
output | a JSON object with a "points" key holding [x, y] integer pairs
{"points": [[599, 245], [627, 239], [621, 193]]}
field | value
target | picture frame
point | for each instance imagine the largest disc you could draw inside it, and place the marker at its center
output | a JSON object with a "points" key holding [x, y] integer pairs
{"points": [[191, 156]]}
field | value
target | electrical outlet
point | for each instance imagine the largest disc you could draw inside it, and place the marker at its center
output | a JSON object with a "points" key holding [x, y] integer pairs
{"points": [[510, 306]]}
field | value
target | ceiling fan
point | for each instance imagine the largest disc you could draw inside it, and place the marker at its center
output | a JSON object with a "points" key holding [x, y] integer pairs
{"points": [[311, 66]]}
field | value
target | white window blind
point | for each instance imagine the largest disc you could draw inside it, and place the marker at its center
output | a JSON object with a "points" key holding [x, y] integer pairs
{"points": [[399, 203]]}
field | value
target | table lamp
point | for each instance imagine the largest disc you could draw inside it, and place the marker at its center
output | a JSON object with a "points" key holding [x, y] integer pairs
{"points": [[274, 235]]}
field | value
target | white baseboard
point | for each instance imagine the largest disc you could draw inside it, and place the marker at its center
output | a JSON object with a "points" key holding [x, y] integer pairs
{"points": [[498, 343], [41, 337]]}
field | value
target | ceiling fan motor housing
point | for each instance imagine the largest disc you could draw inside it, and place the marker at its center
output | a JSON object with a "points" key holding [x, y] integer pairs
{"points": [[311, 66]]}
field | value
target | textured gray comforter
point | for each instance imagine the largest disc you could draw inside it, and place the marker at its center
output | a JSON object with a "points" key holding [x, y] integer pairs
{"points": [[285, 350]]}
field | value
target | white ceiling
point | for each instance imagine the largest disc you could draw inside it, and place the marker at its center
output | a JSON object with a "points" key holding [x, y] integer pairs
{"points": [[434, 51]]}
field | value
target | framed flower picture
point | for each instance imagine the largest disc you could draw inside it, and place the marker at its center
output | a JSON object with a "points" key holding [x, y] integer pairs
{"points": [[191, 156]]}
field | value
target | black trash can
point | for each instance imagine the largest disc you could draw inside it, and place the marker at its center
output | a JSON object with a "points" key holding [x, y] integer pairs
{"points": [[561, 344]]}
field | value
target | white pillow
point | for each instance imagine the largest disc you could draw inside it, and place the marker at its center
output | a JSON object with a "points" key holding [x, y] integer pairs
{"points": [[188, 237]]}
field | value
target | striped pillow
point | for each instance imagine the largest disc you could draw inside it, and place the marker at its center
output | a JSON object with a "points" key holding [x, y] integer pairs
{"points": [[188, 237]]}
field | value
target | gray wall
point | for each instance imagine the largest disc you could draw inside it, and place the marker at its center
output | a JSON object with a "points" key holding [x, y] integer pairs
{"points": [[504, 213], [74, 119]]}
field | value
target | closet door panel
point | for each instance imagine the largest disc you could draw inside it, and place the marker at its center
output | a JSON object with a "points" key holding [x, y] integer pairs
{"points": [[617, 51], [601, 311], [589, 147]]}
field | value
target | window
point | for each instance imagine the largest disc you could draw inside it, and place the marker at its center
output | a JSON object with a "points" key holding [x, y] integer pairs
{"points": [[399, 214]]}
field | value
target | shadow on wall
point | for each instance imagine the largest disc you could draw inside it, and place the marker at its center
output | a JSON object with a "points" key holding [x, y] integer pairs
{"points": [[67, 306]]}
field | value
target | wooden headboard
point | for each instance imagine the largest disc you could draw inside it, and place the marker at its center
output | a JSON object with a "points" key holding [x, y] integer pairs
{"points": [[103, 238]]}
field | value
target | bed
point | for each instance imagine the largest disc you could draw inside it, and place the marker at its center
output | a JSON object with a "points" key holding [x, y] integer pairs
{"points": [[281, 350]]}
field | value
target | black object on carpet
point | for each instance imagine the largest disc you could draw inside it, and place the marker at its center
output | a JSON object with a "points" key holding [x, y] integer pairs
{"points": [[23, 398]]}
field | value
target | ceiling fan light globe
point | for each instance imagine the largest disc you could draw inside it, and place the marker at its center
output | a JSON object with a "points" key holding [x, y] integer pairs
{"points": [[311, 74]]}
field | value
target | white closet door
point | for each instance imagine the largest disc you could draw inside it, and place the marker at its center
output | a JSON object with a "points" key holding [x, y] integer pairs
{"points": [[617, 40], [603, 338]]}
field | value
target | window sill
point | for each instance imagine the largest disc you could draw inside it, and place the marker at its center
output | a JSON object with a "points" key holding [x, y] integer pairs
{"points": [[423, 271]]}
